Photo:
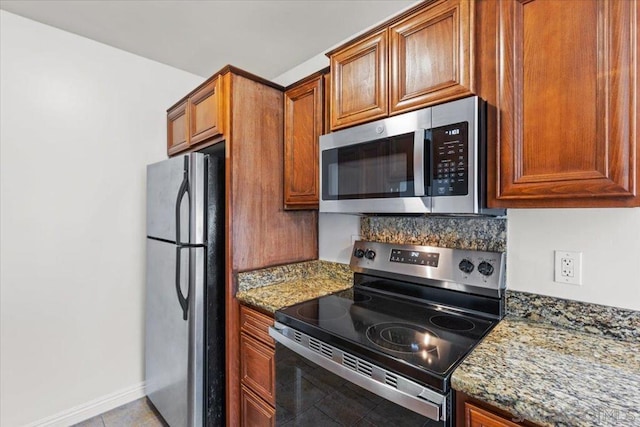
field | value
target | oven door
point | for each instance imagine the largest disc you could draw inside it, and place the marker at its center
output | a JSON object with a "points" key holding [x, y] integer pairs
{"points": [[321, 385]]}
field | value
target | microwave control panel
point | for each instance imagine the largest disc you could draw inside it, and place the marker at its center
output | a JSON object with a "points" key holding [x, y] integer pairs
{"points": [[450, 167]]}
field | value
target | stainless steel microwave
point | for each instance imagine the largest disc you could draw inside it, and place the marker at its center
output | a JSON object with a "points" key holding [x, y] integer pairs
{"points": [[426, 161]]}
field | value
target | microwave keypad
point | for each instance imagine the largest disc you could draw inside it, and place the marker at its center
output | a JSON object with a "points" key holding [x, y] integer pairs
{"points": [[450, 173]]}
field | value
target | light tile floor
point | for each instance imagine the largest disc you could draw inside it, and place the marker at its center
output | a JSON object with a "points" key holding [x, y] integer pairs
{"points": [[138, 413]]}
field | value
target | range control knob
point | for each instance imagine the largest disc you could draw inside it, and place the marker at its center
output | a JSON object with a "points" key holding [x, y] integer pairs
{"points": [[466, 266], [485, 268], [358, 253], [370, 254]]}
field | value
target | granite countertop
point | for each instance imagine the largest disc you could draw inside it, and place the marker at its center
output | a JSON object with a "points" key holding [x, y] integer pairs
{"points": [[274, 297], [555, 376], [274, 288]]}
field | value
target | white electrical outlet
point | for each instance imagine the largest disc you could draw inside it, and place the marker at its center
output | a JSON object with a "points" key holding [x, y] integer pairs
{"points": [[568, 267]]}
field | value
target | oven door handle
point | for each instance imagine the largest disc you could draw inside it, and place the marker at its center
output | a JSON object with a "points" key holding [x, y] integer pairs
{"points": [[386, 384]]}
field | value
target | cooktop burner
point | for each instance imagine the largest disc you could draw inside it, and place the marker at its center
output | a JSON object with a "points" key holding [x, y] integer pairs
{"points": [[327, 312], [402, 337], [452, 323]]}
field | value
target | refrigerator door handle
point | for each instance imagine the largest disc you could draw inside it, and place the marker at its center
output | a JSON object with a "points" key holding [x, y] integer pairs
{"points": [[184, 189], [184, 301]]}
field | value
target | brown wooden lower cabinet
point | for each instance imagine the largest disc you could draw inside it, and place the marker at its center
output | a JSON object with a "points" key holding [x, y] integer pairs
{"points": [[257, 369], [478, 417], [255, 412], [472, 412]]}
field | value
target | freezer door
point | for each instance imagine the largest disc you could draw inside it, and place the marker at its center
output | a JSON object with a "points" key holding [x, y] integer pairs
{"points": [[173, 345], [178, 181]]}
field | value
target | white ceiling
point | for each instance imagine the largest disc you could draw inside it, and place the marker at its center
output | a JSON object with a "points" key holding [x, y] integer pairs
{"points": [[265, 37]]}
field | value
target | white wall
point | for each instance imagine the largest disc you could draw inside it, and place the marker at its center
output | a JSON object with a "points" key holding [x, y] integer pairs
{"points": [[336, 233], [79, 122], [609, 240]]}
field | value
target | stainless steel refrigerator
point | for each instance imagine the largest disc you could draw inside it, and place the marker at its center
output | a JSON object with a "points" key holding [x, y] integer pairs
{"points": [[184, 319]]}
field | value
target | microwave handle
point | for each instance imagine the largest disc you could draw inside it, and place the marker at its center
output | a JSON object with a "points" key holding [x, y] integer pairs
{"points": [[422, 159]]}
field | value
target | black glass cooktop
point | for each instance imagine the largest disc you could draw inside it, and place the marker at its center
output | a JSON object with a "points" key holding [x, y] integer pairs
{"points": [[419, 340]]}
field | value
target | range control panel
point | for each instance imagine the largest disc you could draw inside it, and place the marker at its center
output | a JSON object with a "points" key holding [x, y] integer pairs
{"points": [[429, 259], [469, 269]]}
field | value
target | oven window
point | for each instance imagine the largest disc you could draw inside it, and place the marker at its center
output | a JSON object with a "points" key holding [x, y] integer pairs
{"points": [[376, 169], [307, 394]]}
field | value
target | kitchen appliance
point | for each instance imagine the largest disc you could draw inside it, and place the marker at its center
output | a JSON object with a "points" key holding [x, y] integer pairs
{"points": [[184, 321], [412, 316], [426, 161]]}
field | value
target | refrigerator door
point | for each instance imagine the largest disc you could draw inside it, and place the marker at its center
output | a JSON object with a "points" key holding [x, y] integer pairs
{"points": [[178, 181], [167, 334], [173, 345]]}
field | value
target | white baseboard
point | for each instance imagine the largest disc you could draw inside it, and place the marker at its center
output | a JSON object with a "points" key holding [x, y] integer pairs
{"points": [[91, 409]]}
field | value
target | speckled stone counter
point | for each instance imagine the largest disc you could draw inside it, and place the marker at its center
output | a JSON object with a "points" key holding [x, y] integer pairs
{"points": [[274, 288], [549, 372]]}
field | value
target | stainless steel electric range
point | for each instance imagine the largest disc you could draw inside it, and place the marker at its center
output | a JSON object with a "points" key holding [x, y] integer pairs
{"points": [[412, 316]]}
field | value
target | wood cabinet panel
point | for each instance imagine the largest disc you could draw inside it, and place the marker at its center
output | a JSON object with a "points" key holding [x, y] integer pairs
{"points": [[326, 95], [263, 233], [255, 412], [177, 135], [204, 112], [303, 125], [431, 55], [568, 112], [257, 368], [256, 325], [359, 81], [478, 417]]}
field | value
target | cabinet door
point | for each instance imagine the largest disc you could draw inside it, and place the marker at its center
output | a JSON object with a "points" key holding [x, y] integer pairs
{"points": [[477, 417], [303, 122], [257, 368], [177, 135], [359, 81], [255, 412], [204, 112], [431, 56], [568, 104]]}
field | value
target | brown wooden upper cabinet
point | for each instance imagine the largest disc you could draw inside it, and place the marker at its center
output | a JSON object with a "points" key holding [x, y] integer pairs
{"points": [[177, 135], [199, 118], [303, 125], [420, 58], [567, 104]]}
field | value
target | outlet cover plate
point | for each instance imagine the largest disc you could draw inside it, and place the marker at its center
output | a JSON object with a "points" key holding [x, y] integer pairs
{"points": [[568, 267]]}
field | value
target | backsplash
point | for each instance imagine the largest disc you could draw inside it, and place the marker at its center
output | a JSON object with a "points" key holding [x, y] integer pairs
{"points": [[477, 233]]}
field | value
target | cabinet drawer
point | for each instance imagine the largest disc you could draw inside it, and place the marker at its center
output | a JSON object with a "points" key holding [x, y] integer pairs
{"points": [[477, 417], [255, 412], [257, 367], [256, 325]]}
